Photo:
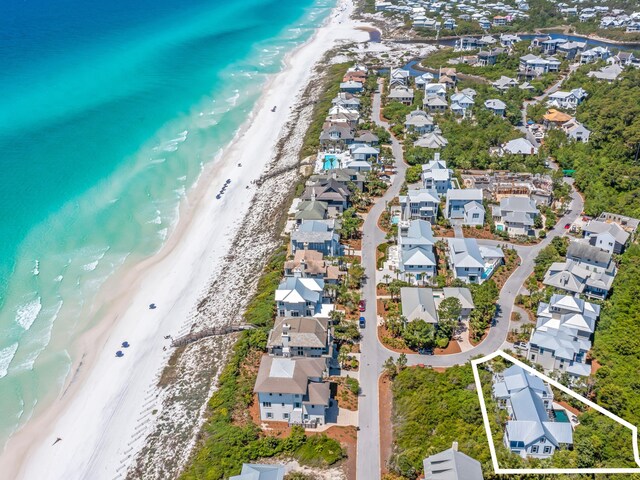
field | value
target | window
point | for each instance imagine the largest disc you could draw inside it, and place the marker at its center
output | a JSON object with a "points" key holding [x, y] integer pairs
{"points": [[534, 449], [279, 394], [547, 449], [533, 357], [285, 416], [306, 416], [297, 405], [269, 415], [475, 216], [266, 404], [295, 314], [543, 440], [282, 404]]}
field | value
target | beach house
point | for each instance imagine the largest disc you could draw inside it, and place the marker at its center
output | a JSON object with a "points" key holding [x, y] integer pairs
{"points": [[416, 260], [532, 429], [301, 297], [333, 193], [433, 140], [300, 337], [563, 333], [292, 390], [515, 215], [422, 303], [610, 237], [588, 270], [436, 176], [471, 262], [319, 235], [465, 205], [419, 121], [567, 100], [311, 264], [496, 106], [420, 203]]}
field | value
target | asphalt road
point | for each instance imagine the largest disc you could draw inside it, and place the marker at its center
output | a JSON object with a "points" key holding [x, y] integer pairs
{"points": [[373, 353]]}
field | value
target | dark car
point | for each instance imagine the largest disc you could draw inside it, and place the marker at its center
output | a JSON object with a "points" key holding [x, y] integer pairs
{"points": [[362, 306], [362, 322]]}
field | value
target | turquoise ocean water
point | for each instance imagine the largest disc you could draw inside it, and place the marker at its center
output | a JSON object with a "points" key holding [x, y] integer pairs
{"points": [[109, 109]]}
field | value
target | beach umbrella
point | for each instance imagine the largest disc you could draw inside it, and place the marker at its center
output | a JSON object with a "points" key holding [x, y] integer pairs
{"points": [[125, 344], [152, 306], [119, 353]]}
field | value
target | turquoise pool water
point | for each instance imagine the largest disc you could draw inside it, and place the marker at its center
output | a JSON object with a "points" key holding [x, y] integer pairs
{"points": [[330, 161], [561, 416]]}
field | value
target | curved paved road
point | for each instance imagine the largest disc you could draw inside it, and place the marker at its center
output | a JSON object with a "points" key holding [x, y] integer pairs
{"points": [[373, 353]]}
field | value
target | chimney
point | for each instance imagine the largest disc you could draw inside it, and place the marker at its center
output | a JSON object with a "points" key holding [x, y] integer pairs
{"points": [[454, 446], [285, 339]]}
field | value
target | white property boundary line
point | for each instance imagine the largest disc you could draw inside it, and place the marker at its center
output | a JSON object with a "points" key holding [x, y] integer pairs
{"points": [[485, 417]]}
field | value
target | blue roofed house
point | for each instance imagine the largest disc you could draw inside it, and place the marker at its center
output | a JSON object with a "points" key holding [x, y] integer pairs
{"points": [[466, 205], [461, 104], [436, 176], [498, 107], [416, 260], [318, 235], [254, 471], [532, 429], [451, 465], [562, 337], [471, 262], [420, 204]]}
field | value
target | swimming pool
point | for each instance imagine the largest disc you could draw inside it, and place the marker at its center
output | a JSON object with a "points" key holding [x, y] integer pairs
{"points": [[395, 219], [330, 161], [561, 416]]}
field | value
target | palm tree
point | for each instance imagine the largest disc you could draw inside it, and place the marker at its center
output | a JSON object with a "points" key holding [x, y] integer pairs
{"points": [[387, 278]]}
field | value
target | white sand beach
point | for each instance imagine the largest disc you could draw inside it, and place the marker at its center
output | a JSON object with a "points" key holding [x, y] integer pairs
{"points": [[96, 416]]}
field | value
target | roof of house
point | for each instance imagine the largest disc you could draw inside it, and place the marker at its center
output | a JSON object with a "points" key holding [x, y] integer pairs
{"points": [[520, 146], [287, 375], [471, 194], [327, 190], [421, 195], [311, 210], [308, 332], [463, 294], [260, 472], [431, 140], [584, 252], [418, 304], [452, 465], [312, 262], [313, 231], [465, 253], [495, 104], [556, 116], [616, 231], [319, 394], [300, 290], [419, 118]]}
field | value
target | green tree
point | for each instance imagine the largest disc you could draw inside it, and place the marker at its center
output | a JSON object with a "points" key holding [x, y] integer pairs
{"points": [[419, 334]]}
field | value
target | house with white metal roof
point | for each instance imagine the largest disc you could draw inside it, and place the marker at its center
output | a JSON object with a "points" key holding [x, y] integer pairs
{"points": [[515, 215], [466, 205], [471, 262], [416, 260], [254, 471], [436, 175], [420, 203], [532, 429], [563, 333], [423, 303]]}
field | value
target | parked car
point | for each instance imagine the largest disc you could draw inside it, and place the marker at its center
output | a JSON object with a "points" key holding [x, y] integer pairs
{"points": [[362, 306], [567, 226], [362, 322]]}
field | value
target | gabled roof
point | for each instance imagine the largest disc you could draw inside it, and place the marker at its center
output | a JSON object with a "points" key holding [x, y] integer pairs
{"points": [[300, 290], [418, 304], [260, 472], [451, 465], [584, 252], [464, 253], [495, 104], [431, 140], [520, 146], [616, 231], [303, 332]]}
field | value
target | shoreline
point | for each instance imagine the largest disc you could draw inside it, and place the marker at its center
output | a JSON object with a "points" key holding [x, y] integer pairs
{"points": [[175, 278]]}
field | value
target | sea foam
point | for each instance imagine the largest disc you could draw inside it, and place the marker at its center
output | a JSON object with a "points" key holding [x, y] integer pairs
{"points": [[27, 313], [6, 355]]}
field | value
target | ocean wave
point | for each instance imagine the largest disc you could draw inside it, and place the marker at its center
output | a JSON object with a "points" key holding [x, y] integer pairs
{"points": [[173, 144], [157, 161], [27, 313], [58, 278], [233, 100], [90, 267], [6, 356], [157, 220], [40, 342]]}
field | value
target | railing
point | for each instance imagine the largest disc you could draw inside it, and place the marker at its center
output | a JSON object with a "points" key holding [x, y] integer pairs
{"points": [[303, 424]]}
